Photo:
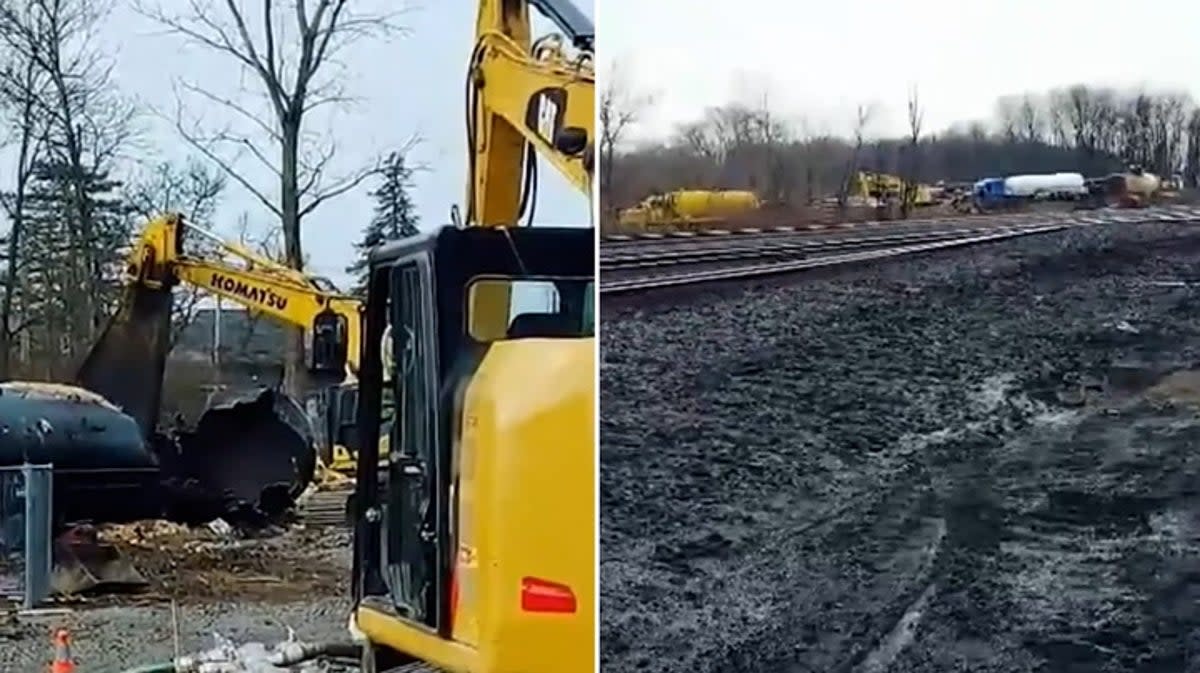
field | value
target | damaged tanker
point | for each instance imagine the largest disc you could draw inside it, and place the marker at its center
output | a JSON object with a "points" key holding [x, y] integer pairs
{"points": [[246, 460]]}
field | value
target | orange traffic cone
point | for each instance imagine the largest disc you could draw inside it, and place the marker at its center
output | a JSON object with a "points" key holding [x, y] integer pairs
{"points": [[62, 653]]}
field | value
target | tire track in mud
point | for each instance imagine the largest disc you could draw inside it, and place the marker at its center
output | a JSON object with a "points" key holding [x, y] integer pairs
{"points": [[1093, 553], [849, 473]]}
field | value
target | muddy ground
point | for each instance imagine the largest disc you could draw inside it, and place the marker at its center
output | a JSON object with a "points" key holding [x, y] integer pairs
{"points": [[983, 460], [246, 590]]}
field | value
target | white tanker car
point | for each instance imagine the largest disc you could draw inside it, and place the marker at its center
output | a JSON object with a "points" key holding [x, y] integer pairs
{"points": [[1060, 185], [1130, 188], [992, 193]]}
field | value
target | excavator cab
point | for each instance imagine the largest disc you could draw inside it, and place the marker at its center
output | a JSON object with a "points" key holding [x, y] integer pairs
{"points": [[474, 540], [329, 345], [331, 404]]}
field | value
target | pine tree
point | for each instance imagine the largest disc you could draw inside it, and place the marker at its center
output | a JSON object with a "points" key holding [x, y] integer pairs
{"points": [[395, 217], [71, 274]]}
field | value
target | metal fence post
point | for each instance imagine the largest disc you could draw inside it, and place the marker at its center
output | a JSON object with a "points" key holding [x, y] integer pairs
{"points": [[26, 510], [39, 491]]}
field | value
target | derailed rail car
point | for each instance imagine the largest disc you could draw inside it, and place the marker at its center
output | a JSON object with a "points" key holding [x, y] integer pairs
{"points": [[1016, 191], [248, 458], [104, 470]]}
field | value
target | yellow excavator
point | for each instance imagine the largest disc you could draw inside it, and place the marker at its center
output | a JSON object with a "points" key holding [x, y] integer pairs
{"points": [[474, 544], [331, 319]]}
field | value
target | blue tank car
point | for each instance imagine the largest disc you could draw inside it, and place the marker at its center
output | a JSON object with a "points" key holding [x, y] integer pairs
{"points": [[103, 468]]}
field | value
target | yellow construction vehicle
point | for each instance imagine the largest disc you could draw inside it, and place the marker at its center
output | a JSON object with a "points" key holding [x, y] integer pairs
{"points": [[882, 187], [688, 207], [474, 547], [330, 318]]}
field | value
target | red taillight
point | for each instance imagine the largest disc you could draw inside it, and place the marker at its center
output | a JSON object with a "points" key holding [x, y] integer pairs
{"points": [[542, 596]]}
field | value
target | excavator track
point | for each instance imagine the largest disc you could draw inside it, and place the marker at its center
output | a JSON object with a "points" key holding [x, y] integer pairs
{"points": [[325, 509]]}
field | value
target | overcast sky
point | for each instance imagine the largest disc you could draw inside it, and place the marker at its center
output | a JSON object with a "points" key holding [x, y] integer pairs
{"points": [[410, 85], [819, 58]]}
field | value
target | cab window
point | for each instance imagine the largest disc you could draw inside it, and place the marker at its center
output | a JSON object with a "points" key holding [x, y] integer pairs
{"points": [[522, 308]]}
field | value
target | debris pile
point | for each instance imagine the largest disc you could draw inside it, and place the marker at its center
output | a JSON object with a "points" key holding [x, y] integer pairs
{"points": [[158, 559], [220, 561]]}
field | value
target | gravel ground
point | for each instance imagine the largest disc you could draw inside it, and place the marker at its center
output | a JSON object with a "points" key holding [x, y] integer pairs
{"points": [[246, 591], [117, 637], [975, 460]]}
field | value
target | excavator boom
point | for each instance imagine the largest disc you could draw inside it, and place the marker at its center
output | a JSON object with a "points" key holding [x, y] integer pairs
{"points": [[288, 303], [527, 98], [158, 260]]}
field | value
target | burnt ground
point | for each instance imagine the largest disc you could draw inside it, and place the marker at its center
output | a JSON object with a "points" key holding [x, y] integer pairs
{"points": [[985, 459]]}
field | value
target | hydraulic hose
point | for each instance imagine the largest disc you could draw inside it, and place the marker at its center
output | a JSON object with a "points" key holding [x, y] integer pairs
{"points": [[284, 654]]}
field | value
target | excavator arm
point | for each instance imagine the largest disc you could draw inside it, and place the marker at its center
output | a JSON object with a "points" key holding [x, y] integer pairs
{"points": [[526, 98], [256, 282]]}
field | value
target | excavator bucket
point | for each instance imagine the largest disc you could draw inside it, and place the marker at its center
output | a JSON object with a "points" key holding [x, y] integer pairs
{"points": [[127, 363], [83, 564]]}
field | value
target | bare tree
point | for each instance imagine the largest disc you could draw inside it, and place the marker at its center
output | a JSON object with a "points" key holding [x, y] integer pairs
{"points": [[1057, 110], [916, 116], [1092, 130], [87, 124], [771, 137], [297, 73], [1008, 117], [1192, 163], [1170, 123], [22, 85], [862, 117], [1030, 120], [620, 109]]}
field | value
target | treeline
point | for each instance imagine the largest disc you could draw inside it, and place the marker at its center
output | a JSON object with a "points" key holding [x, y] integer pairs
{"points": [[1086, 129], [70, 198], [74, 180]]}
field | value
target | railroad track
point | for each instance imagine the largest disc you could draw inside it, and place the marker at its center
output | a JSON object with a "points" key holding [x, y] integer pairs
{"points": [[718, 236], [757, 249], [752, 270], [628, 269]]}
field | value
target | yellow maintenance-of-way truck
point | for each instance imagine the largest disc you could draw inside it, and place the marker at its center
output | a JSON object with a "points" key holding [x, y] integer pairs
{"points": [[688, 207]]}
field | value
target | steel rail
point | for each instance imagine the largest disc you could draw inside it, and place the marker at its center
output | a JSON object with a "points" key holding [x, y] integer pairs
{"points": [[744, 271], [658, 259]]}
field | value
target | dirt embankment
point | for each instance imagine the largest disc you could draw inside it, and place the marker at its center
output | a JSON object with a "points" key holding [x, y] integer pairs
{"points": [[980, 460]]}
